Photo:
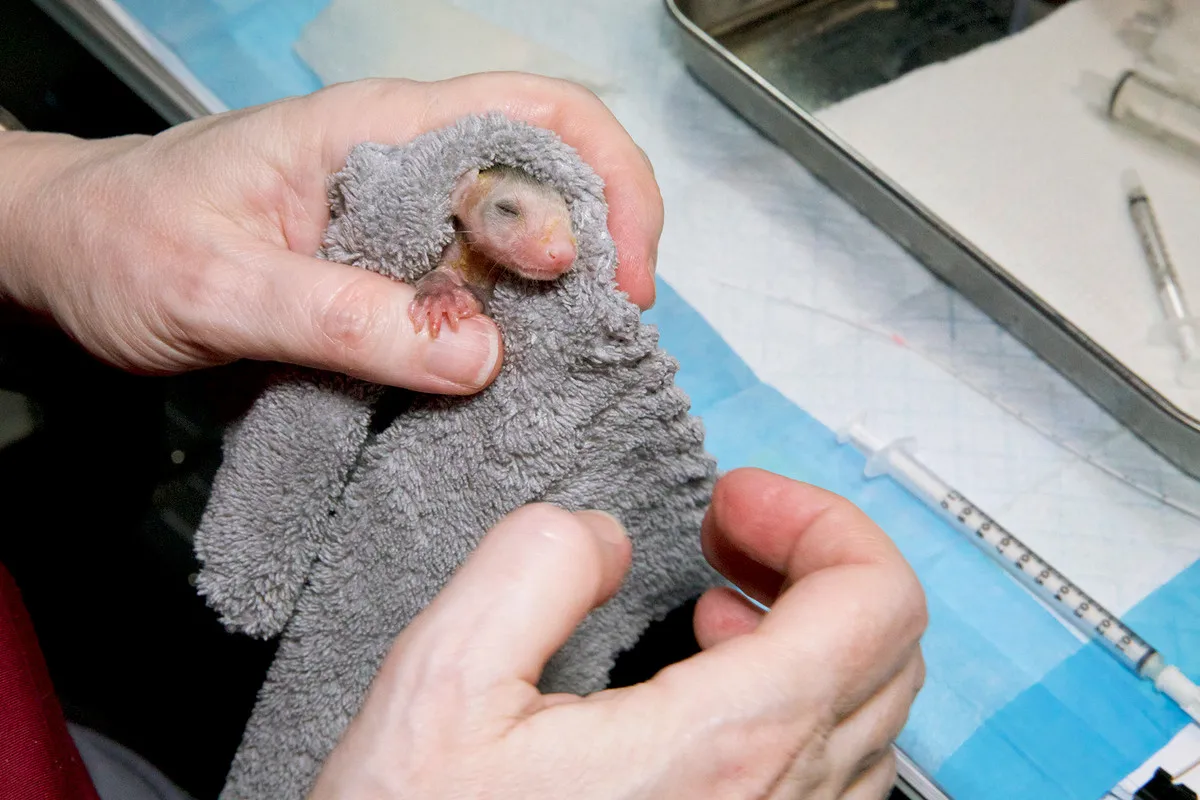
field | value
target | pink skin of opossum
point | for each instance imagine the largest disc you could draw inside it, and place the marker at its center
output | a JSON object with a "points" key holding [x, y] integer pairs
{"points": [[505, 220]]}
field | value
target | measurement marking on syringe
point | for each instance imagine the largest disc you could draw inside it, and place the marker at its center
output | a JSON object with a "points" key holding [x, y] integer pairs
{"points": [[1029, 566]]}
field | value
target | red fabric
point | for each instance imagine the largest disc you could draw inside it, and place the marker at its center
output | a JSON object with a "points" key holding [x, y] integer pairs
{"points": [[38, 758]]}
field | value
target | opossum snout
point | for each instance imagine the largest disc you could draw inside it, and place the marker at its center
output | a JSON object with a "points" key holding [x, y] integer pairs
{"points": [[548, 256], [561, 254]]}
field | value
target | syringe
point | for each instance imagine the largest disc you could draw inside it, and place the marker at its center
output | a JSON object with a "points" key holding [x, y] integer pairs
{"points": [[1179, 326], [1070, 603], [1147, 107]]}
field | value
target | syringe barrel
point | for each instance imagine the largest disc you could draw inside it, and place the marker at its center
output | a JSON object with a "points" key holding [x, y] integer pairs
{"points": [[1179, 320], [1071, 603], [1166, 280]]}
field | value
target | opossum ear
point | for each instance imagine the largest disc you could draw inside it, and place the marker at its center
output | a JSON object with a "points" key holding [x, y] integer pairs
{"points": [[462, 187]]}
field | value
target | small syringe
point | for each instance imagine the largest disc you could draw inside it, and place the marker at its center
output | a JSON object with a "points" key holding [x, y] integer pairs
{"points": [[1179, 326], [1070, 603]]}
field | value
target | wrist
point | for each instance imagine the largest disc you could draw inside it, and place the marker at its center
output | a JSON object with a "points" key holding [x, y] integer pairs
{"points": [[37, 196]]}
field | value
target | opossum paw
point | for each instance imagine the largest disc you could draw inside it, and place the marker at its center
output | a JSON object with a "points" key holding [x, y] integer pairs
{"points": [[442, 301]]}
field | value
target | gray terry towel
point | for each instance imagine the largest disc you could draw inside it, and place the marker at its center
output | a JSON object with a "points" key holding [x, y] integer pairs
{"points": [[341, 509]]}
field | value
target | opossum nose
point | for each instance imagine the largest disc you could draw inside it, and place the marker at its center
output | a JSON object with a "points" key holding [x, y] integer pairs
{"points": [[560, 254]]}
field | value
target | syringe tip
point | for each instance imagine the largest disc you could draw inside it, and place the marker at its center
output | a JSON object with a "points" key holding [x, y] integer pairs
{"points": [[863, 440], [850, 430], [1131, 182]]}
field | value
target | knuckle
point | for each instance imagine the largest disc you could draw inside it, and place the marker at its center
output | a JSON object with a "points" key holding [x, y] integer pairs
{"points": [[196, 286], [750, 760], [887, 768], [564, 99], [353, 317], [871, 632], [208, 293], [841, 511], [874, 758], [915, 609], [333, 94], [368, 92], [899, 717], [388, 90], [353, 89], [578, 92], [919, 678], [534, 84], [377, 85]]}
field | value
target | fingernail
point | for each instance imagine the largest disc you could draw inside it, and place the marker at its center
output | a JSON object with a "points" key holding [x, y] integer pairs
{"points": [[604, 525], [467, 356]]}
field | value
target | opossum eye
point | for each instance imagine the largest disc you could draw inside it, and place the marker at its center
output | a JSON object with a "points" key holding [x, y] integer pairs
{"points": [[508, 208]]}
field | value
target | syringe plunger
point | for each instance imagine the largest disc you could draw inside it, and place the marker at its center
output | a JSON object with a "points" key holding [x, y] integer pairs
{"points": [[1171, 681]]}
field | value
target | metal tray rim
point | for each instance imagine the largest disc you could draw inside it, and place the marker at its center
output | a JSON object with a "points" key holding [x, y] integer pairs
{"points": [[1186, 457]]}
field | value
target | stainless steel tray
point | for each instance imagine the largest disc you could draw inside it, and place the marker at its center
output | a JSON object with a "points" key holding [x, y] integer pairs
{"points": [[711, 32]]}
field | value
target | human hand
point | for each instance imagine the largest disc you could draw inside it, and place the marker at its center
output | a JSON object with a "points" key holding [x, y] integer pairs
{"points": [[195, 247], [802, 702]]}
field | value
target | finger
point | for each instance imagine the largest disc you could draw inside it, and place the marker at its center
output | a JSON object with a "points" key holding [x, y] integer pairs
{"points": [[514, 601], [765, 532], [726, 554], [275, 305], [787, 528], [861, 740], [385, 112], [517, 599], [851, 628], [876, 783], [854, 606], [722, 614]]}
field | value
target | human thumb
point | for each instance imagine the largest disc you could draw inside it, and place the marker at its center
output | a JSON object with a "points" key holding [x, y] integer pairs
{"points": [[516, 600], [302, 310], [465, 669]]}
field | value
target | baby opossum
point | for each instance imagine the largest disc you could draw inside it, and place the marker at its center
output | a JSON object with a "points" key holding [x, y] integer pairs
{"points": [[504, 219]]}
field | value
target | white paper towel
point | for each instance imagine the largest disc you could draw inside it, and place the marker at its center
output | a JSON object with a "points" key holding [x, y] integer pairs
{"points": [[998, 144]]}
